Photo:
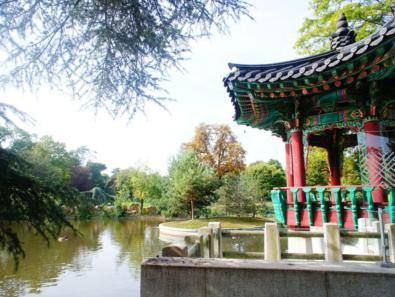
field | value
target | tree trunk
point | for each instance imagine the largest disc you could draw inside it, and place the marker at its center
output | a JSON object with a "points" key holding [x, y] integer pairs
{"points": [[192, 211], [141, 206]]}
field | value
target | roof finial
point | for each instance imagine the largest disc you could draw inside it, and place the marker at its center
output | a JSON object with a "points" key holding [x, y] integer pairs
{"points": [[343, 35]]}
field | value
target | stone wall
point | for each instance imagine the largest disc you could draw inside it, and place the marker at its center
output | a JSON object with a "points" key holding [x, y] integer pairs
{"points": [[186, 277]]}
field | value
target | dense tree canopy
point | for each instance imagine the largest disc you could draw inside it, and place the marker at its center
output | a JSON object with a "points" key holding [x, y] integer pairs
{"points": [[111, 54], [268, 175], [217, 146], [138, 184], [351, 171], [364, 16], [317, 171], [36, 199], [238, 195], [40, 182]]}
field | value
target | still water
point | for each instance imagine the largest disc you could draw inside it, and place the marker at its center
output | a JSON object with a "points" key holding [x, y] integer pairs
{"points": [[104, 261]]}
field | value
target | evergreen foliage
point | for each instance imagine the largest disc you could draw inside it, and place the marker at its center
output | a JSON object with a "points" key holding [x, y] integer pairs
{"points": [[37, 187], [31, 199], [191, 185], [110, 54]]}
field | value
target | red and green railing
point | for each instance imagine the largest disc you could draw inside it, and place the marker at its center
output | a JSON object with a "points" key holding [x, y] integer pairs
{"points": [[343, 205]]}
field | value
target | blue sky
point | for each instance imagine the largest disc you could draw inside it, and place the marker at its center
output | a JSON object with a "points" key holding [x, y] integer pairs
{"points": [[151, 139]]}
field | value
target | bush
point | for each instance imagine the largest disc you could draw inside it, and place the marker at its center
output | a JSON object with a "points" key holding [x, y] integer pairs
{"points": [[121, 207]]}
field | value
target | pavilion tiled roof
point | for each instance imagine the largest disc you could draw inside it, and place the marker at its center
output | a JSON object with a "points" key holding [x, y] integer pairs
{"points": [[257, 90], [308, 66]]}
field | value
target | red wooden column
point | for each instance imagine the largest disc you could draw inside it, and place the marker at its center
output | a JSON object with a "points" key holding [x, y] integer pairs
{"points": [[374, 150], [289, 170], [299, 178]]}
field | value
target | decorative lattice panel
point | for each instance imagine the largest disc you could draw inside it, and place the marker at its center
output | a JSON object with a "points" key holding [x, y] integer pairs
{"points": [[383, 165]]}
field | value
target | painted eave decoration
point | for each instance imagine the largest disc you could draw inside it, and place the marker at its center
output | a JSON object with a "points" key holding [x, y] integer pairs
{"points": [[262, 93]]}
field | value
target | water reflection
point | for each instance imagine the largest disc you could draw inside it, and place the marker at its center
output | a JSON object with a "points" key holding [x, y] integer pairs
{"points": [[105, 261], [249, 244]]}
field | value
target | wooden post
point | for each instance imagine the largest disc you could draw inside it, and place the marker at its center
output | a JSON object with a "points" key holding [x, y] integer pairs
{"points": [[216, 239], [298, 162], [272, 242], [205, 241], [391, 241], [332, 245]]}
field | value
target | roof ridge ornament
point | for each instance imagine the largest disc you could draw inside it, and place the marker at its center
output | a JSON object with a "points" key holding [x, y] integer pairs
{"points": [[343, 36]]}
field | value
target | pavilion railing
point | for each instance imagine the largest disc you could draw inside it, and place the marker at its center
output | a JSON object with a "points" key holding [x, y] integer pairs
{"points": [[323, 204], [208, 243]]}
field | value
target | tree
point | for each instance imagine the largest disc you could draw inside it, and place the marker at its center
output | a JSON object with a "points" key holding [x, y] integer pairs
{"points": [[268, 175], [51, 159], [317, 172], [96, 176], [351, 172], [229, 195], [217, 146], [81, 178], [250, 193], [191, 184], [112, 54], [364, 16], [238, 195], [31, 198], [140, 183]]}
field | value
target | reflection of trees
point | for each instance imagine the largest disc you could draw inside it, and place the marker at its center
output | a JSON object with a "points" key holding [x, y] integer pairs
{"points": [[137, 240], [248, 244], [43, 264], [243, 244]]}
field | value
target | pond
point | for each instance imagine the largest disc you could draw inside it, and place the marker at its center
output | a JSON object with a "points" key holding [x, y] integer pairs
{"points": [[104, 261]]}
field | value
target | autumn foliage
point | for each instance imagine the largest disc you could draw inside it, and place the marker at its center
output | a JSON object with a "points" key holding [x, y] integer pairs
{"points": [[217, 146]]}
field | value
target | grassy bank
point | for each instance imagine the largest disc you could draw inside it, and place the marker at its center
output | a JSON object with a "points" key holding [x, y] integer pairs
{"points": [[226, 222]]}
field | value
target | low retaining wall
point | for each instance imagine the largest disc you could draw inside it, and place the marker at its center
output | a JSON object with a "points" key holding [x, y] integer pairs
{"points": [[180, 277]]}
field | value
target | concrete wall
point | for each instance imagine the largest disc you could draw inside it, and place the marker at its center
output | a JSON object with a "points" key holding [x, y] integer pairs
{"points": [[186, 277]]}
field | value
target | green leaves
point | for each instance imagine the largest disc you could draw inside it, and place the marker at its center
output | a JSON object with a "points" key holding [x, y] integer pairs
{"points": [[26, 197], [191, 183], [364, 16], [268, 175], [317, 171]]}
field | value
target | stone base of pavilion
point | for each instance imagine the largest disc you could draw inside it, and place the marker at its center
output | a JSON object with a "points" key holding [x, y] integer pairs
{"points": [[180, 277]]}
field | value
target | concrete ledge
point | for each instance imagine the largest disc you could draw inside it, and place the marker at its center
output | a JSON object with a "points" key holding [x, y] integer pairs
{"points": [[176, 277], [176, 232]]}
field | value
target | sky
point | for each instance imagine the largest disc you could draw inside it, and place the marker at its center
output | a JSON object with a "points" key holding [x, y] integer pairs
{"points": [[151, 139]]}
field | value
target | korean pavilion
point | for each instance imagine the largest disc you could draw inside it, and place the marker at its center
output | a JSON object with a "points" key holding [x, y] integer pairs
{"points": [[338, 100]]}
